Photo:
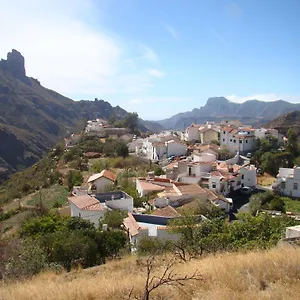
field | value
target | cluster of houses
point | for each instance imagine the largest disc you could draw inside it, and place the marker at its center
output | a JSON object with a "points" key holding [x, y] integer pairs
{"points": [[193, 172]]}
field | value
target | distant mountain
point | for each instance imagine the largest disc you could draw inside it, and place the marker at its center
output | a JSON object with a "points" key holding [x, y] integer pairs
{"points": [[251, 112], [286, 121], [33, 118]]}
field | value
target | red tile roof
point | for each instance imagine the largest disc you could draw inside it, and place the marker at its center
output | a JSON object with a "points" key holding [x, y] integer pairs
{"points": [[105, 173], [167, 211], [86, 202], [148, 186]]}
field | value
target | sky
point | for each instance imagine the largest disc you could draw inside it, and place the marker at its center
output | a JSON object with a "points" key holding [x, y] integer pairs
{"points": [[158, 57]]}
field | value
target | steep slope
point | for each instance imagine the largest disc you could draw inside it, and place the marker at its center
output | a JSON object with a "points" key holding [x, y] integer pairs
{"points": [[218, 108], [272, 274], [286, 121], [34, 118]]}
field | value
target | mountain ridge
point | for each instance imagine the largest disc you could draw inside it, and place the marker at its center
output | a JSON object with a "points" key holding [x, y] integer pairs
{"points": [[252, 112], [34, 118]]}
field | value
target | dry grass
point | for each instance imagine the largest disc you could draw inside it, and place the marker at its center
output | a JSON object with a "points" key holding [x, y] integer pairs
{"points": [[273, 274], [265, 179]]}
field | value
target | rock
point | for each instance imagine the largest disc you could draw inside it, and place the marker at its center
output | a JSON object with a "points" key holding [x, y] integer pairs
{"points": [[14, 64]]}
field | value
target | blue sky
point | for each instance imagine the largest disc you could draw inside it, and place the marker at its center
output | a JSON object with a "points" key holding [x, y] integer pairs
{"points": [[158, 57]]}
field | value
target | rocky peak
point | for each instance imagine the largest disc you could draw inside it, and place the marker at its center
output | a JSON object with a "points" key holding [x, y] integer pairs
{"points": [[14, 64]]}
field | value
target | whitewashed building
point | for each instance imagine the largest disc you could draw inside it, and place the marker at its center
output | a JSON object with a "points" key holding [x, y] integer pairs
{"points": [[288, 182], [92, 208], [100, 181], [237, 140], [268, 134]]}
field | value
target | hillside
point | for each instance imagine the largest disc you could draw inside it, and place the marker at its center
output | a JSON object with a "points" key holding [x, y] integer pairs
{"points": [[33, 118], [272, 274], [251, 112], [286, 121]]}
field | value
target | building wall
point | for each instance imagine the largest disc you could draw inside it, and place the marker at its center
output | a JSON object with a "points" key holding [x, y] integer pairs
{"points": [[92, 216], [176, 149], [101, 184], [122, 204], [223, 205], [249, 177], [204, 157], [291, 232], [192, 134], [209, 136]]}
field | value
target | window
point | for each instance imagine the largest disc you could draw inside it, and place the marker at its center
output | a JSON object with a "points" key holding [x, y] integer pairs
{"points": [[223, 140], [223, 132], [230, 140], [214, 185], [234, 141], [246, 141], [283, 185], [241, 141], [295, 186], [243, 176]]}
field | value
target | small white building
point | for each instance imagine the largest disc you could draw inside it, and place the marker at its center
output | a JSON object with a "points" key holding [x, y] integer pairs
{"points": [[175, 148], [288, 182], [87, 207], [140, 226], [292, 232], [72, 140], [268, 134], [100, 181], [94, 207]]}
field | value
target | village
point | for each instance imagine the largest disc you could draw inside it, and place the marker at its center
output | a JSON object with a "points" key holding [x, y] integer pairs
{"points": [[205, 163]]}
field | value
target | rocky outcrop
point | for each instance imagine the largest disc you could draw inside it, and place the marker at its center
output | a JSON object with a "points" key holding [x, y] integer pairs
{"points": [[14, 65]]}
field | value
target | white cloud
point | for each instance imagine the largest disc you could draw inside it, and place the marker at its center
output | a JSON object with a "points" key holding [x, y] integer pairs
{"points": [[156, 73], [172, 31], [66, 53], [264, 97]]}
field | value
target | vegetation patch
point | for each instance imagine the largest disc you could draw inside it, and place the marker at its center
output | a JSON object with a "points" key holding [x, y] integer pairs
{"points": [[53, 197]]}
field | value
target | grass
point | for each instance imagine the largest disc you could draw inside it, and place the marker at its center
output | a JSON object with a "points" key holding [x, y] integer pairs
{"points": [[55, 195], [273, 274], [292, 205], [265, 179]]}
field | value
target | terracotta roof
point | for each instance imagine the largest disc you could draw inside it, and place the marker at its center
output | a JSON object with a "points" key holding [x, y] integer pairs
{"points": [[167, 211], [86, 202], [105, 173], [159, 179], [211, 196], [172, 165], [148, 186], [191, 189], [205, 129], [131, 224]]}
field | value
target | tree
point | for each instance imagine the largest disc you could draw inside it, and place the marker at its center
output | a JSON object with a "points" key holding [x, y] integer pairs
{"points": [[158, 171], [113, 219], [131, 121], [122, 149], [292, 143], [254, 205], [265, 145], [277, 203], [74, 178], [224, 153]]}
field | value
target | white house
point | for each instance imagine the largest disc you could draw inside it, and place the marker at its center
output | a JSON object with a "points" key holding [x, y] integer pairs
{"points": [[288, 182], [140, 226], [145, 186], [87, 207], [102, 180], [237, 140], [268, 134], [175, 148], [219, 200], [72, 140], [94, 207], [157, 148]]}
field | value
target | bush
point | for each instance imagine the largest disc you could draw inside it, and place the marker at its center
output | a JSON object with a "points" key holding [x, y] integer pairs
{"points": [[158, 171], [74, 178]]}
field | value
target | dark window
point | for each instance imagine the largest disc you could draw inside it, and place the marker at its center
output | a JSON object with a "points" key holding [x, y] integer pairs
{"points": [[223, 132], [241, 141], [246, 141], [242, 176], [295, 186], [230, 140], [223, 140], [234, 141], [214, 185]]}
